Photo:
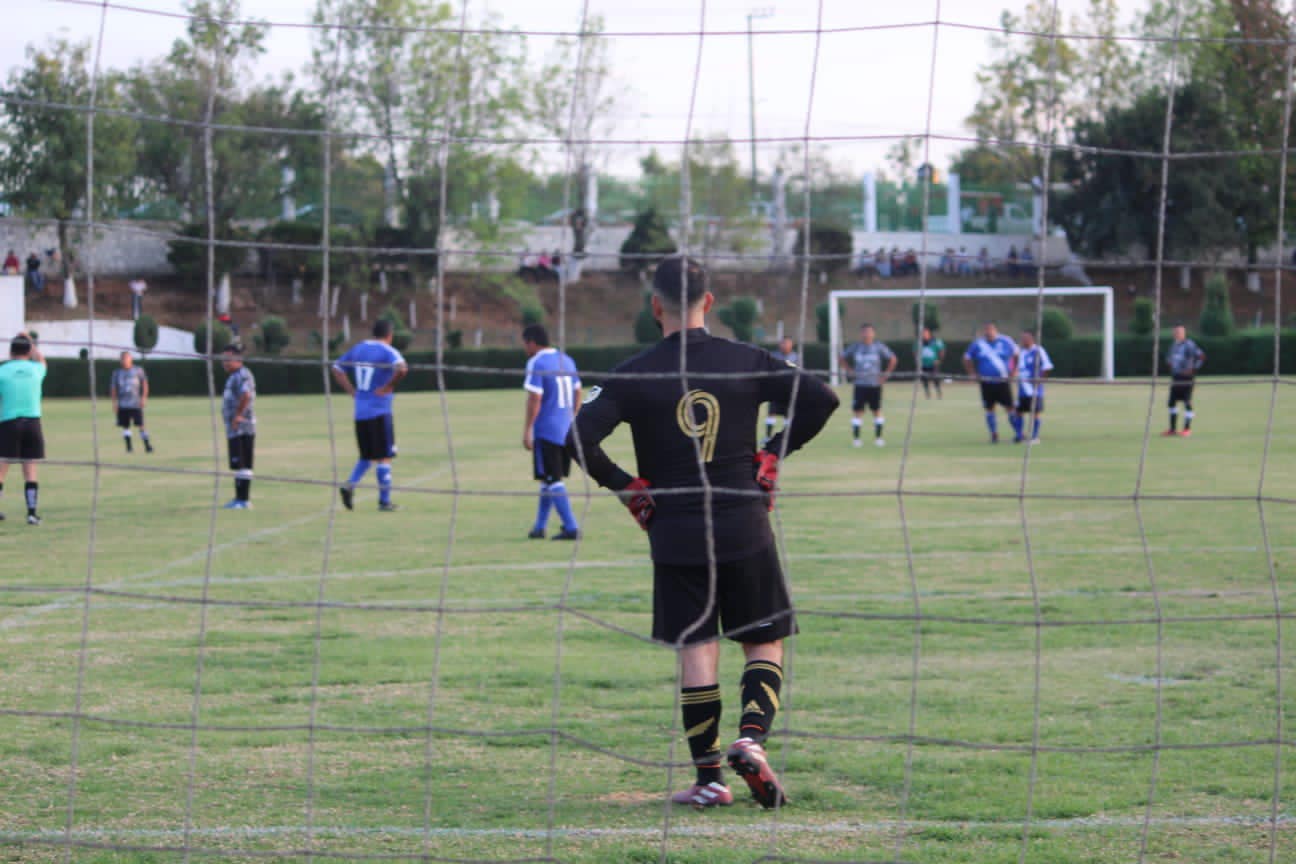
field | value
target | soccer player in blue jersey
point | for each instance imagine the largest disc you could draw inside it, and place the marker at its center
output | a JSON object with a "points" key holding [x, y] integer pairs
{"points": [[377, 368], [1035, 365], [992, 360], [553, 397]]}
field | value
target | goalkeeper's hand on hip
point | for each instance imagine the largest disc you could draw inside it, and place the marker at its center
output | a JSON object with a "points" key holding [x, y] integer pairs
{"points": [[766, 466], [637, 499]]}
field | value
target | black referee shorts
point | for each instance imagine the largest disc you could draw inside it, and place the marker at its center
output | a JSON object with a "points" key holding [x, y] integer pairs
{"points": [[1181, 390], [867, 397], [21, 440], [751, 601], [127, 416], [996, 393], [1030, 404], [376, 437], [552, 464], [242, 449]]}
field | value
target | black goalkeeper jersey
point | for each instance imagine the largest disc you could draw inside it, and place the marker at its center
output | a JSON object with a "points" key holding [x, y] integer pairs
{"points": [[710, 412]]}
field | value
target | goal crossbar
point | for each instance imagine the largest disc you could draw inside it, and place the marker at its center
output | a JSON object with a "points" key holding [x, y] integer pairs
{"points": [[1103, 291]]}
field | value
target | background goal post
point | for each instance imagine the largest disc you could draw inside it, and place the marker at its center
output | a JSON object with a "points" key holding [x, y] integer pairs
{"points": [[1103, 291]]}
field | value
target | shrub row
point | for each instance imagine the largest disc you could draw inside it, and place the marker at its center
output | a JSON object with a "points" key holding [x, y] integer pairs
{"points": [[496, 368]]}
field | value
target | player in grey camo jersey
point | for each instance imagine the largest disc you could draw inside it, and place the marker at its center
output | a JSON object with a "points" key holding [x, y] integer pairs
{"points": [[129, 391], [1184, 359], [870, 363], [238, 408]]}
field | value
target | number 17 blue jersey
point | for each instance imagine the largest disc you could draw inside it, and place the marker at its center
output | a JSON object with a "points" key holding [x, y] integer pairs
{"points": [[552, 376], [371, 365]]}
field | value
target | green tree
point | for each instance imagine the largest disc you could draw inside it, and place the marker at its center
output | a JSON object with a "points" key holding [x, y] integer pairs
{"points": [[220, 338], [1144, 320], [649, 241], [740, 316], [1217, 310], [1055, 325], [274, 335], [146, 333], [831, 247], [43, 149], [930, 316]]}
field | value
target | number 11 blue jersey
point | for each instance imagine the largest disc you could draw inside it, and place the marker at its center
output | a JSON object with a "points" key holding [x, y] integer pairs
{"points": [[370, 364], [552, 376]]}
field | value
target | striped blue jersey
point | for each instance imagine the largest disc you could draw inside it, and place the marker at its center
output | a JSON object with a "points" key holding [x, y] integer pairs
{"points": [[552, 376], [993, 359], [1035, 361], [370, 364]]}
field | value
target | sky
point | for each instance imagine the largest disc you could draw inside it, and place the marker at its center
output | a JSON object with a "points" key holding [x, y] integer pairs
{"points": [[874, 78]]}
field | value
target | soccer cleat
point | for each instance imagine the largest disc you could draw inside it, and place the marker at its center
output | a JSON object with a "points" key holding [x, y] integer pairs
{"points": [[148, 446], [1187, 433], [33, 519], [748, 759], [2, 517], [1034, 441], [1169, 433], [536, 534], [858, 443], [714, 794], [879, 442], [348, 496], [1018, 439], [564, 534], [994, 437], [389, 507], [233, 504]]}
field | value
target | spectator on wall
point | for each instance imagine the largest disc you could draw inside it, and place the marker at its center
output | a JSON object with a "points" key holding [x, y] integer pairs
{"points": [[11, 264], [35, 278]]}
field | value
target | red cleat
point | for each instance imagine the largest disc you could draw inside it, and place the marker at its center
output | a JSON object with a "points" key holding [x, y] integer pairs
{"points": [[1187, 433], [1169, 433], [749, 760], [713, 794]]}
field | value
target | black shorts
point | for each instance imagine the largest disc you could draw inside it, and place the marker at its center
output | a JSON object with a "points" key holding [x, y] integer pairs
{"points": [[751, 601], [376, 437], [552, 464], [867, 397], [777, 409], [996, 393], [1181, 390], [1030, 404], [21, 439], [127, 416], [242, 448]]}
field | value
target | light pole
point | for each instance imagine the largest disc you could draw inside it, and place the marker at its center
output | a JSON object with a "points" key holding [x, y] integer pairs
{"points": [[753, 15]]}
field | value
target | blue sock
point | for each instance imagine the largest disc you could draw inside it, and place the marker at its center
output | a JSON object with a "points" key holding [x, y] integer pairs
{"points": [[1038, 422], [993, 422], [542, 511], [357, 473], [384, 484], [562, 504], [1016, 421]]}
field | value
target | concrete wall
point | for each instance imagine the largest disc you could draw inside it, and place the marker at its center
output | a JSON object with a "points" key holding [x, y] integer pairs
{"points": [[13, 307], [115, 249], [67, 338]]}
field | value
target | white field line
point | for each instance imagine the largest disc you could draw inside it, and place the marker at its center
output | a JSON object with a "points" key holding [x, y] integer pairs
{"points": [[879, 827]]}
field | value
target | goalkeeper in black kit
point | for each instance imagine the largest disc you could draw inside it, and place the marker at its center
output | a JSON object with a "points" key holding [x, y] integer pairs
{"points": [[686, 422]]}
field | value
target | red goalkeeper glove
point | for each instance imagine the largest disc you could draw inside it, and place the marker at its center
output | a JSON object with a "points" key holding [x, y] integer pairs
{"points": [[767, 467], [637, 500]]}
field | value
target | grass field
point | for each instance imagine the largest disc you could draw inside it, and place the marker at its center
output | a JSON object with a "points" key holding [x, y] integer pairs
{"points": [[376, 663]]}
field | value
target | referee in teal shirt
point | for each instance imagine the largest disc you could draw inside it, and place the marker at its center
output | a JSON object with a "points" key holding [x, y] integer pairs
{"points": [[21, 439]]}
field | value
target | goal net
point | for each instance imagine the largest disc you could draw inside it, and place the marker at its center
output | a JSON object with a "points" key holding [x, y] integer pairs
{"points": [[1074, 651]]}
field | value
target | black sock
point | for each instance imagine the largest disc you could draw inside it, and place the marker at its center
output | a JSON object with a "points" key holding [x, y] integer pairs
{"points": [[144, 436], [127, 439], [1174, 420], [32, 491], [242, 488], [701, 709], [761, 681], [877, 427]]}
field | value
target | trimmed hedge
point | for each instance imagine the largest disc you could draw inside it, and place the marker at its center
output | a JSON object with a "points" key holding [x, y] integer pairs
{"points": [[501, 368]]}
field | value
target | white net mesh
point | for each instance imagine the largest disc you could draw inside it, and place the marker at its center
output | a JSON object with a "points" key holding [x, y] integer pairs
{"points": [[1070, 652]]}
